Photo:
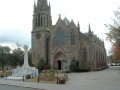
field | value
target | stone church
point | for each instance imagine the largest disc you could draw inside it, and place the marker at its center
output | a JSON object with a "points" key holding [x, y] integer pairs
{"points": [[63, 42]]}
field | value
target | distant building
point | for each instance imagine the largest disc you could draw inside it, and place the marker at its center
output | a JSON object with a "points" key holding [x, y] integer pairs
{"points": [[63, 42]]}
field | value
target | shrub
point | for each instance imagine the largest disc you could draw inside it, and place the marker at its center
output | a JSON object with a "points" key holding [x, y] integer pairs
{"points": [[73, 65], [47, 67], [40, 65], [47, 75], [28, 76]]}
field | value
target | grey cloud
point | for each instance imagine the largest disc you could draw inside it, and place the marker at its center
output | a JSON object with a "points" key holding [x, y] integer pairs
{"points": [[15, 35]]}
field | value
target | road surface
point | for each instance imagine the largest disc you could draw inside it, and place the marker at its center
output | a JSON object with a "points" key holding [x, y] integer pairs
{"points": [[8, 87]]}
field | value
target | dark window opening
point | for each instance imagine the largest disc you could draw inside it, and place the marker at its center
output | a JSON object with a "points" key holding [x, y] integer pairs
{"points": [[38, 20], [38, 57], [41, 21], [47, 51], [34, 54], [47, 20], [85, 54], [72, 38]]}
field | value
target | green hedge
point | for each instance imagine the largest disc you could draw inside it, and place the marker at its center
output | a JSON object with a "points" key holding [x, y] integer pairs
{"points": [[78, 69], [74, 67]]}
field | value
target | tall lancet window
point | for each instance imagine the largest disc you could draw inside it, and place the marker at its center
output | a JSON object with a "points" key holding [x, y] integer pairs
{"points": [[84, 54], [47, 20], [41, 21], [59, 37], [38, 20], [72, 38]]}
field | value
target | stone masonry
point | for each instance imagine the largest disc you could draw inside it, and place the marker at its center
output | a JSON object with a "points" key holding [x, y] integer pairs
{"points": [[63, 42]]}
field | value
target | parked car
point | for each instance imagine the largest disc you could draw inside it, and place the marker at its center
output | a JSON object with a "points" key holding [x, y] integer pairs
{"points": [[117, 63]]}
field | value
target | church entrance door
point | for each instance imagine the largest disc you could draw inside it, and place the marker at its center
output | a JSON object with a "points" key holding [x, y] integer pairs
{"points": [[59, 65]]}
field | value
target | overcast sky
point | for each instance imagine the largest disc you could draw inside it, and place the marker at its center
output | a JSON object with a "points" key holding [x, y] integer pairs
{"points": [[16, 17]]}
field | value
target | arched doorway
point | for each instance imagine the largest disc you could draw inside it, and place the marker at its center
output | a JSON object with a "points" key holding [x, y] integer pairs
{"points": [[59, 65], [60, 61]]}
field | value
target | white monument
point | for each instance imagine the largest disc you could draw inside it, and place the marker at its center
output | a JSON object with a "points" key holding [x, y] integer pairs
{"points": [[25, 70]]}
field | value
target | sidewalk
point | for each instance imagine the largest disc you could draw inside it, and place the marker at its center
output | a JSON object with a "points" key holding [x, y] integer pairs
{"points": [[35, 85]]}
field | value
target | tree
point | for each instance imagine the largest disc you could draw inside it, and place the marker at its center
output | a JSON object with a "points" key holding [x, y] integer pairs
{"points": [[114, 34], [17, 57], [111, 58], [13, 60], [30, 57], [116, 52], [4, 55]]}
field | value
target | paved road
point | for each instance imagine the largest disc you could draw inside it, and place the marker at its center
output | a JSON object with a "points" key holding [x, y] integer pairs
{"points": [[8, 87], [108, 79]]}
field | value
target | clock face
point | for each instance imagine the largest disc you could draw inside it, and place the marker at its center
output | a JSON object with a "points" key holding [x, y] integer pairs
{"points": [[38, 35]]}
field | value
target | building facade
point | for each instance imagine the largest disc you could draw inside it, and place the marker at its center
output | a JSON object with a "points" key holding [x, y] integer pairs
{"points": [[63, 42]]}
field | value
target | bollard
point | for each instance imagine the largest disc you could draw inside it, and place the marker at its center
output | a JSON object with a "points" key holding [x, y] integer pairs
{"points": [[23, 78], [32, 75], [57, 80], [6, 76], [38, 79]]}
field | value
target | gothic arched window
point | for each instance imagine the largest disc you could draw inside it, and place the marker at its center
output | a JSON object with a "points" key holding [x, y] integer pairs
{"points": [[85, 54], [38, 20], [47, 20], [72, 38], [59, 37], [41, 23]]}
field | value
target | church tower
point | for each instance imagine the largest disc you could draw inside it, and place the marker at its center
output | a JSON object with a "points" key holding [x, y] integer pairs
{"points": [[41, 31]]}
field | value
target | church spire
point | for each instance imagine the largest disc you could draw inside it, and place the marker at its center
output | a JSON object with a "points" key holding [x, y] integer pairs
{"points": [[59, 16], [49, 6], [89, 28], [34, 6], [45, 4], [78, 26], [38, 2], [42, 14], [42, 4], [34, 3]]}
